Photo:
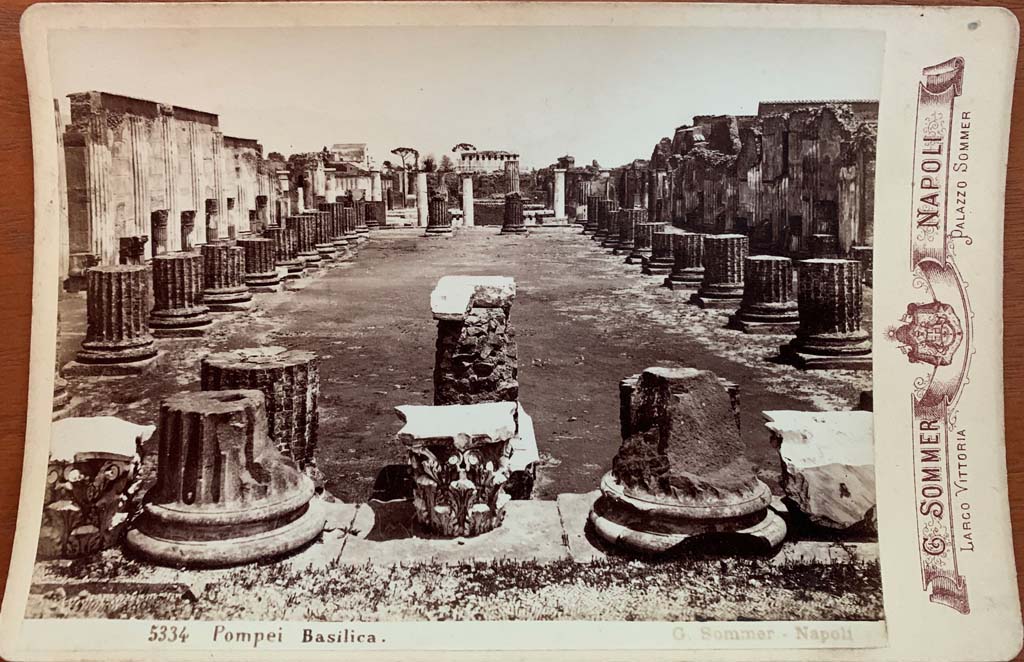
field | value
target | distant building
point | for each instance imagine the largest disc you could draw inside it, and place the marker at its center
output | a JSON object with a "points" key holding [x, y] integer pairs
{"points": [[489, 160], [350, 153]]}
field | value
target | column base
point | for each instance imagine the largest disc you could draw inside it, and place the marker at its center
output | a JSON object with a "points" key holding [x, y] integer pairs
{"points": [[438, 231], [228, 551], [516, 229], [716, 299], [113, 368], [657, 267], [617, 520], [589, 228], [762, 328], [685, 280], [227, 301], [326, 252], [293, 269], [599, 235], [310, 261], [834, 352], [638, 256], [190, 323], [264, 282]]}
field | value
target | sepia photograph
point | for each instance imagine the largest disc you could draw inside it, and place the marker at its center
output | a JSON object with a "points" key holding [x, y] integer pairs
{"points": [[496, 323]]}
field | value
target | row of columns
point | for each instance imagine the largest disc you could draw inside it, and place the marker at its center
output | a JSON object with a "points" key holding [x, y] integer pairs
{"points": [[187, 286], [823, 313]]}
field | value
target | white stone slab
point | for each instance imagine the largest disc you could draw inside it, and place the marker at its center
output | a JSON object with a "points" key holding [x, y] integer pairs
{"points": [[94, 435], [827, 462], [453, 296], [459, 425]]}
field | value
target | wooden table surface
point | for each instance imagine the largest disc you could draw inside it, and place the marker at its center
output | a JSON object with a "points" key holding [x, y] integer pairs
{"points": [[16, 279]]}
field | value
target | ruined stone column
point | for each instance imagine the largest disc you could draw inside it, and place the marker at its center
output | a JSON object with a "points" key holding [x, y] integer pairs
{"points": [[290, 380], [864, 255], [513, 222], [768, 304], [467, 201], [260, 271], [343, 248], [362, 231], [158, 221], [830, 300], [375, 187], [224, 288], [439, 221], [613, 237], [421, 199], [643, 236], [284, 251], [178, 306], [682, 473], [606, 211], [823, 246], [476, 359], [558, 196], [661, 261], [117, 338], [593, 202], [303, 228], [348, 223], [511, 177], [722, 286], [626, 231], [324, 242], [212, 219], [688, 261], [376, 214], [223, 496]]}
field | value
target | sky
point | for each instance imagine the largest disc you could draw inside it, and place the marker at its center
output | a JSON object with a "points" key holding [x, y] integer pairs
{"points": [[594, 92]]}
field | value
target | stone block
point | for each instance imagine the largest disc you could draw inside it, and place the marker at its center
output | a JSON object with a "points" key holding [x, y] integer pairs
{"points": [[828, 469], [574, 510], [454, 296]]}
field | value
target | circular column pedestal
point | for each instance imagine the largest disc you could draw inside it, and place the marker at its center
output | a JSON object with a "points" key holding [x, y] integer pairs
{"points": [[688, 262], [661, 261], [260, 269], [830, 301], [223, 495], [590, 227], [768, 304], [178, 307], [722, 286], [224, 288], [606, 211], [643, 236], [284, 251]]}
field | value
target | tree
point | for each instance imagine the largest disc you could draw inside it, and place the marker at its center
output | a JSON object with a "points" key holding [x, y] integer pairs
{"points": [[446, 164], [463, 147], [404, 153], [429, 163]]}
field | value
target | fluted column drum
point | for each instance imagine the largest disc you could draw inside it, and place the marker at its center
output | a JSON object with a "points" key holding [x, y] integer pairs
{"points": [[643, 236], [290, 380], [178, 303], [223, 495], [687, 261], [606, 211], [768, 304], [305, 240], [260, 269], [513, 222], [830, 300], [864, 255], [593, 201], [661, 261], [224, 287], [511, 177], [284, 250], [626, 222], [439, 221], [360, 207], [117, 337], [376, 214], [612, 237], [322, 231], [722, 286], [338, 240], [348, 217]]}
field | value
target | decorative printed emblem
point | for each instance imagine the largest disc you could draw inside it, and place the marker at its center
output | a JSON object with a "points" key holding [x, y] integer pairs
{"points": [[931, 333]]}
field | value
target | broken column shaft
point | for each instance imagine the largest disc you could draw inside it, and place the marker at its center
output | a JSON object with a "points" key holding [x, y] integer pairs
{"points": [[513, 221], [643, 236], [285, 254], [439, 221], [117, 338], [260, 269], [768, 304], [722, 286], [224, 288], [830, 302], [662, 260], [687, 261], [178, 306]]}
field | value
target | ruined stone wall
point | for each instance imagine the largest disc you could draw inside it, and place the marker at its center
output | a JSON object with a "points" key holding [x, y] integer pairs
{"points": [[131, 164], [243, 160]]}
